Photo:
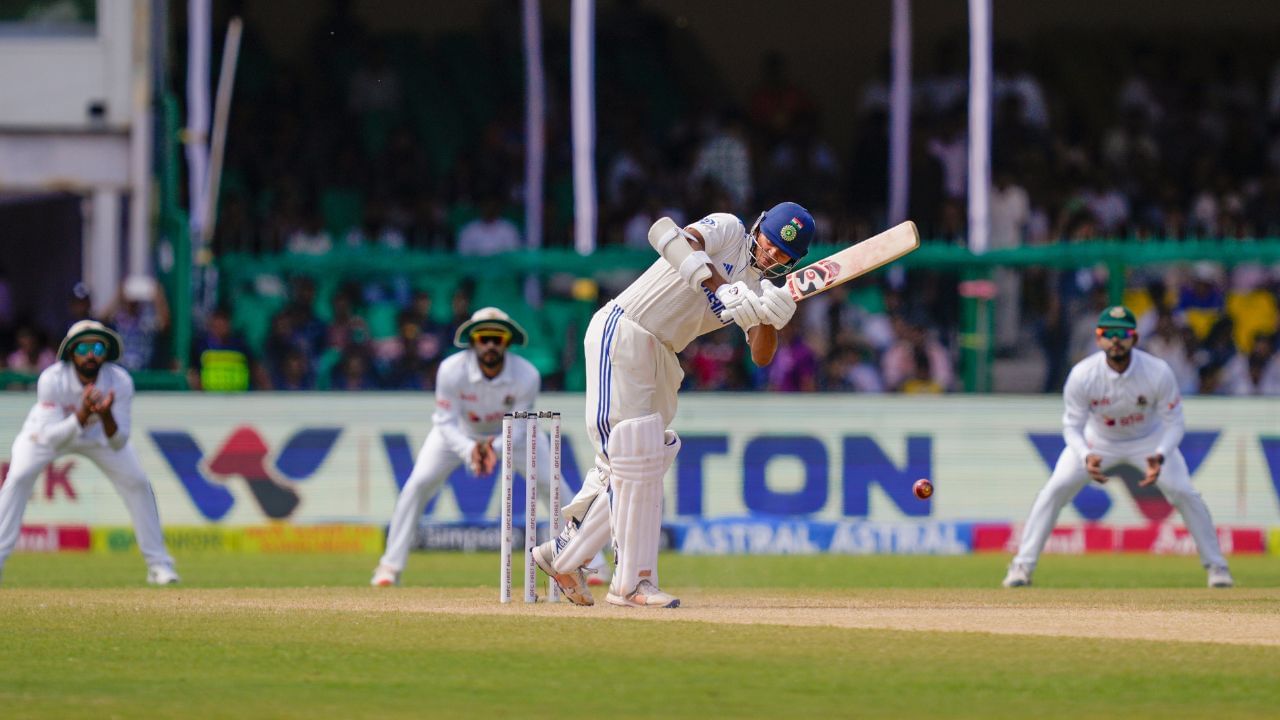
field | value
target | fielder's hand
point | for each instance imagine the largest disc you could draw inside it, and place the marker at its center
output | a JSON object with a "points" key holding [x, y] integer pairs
{"points": [[777, 305], [1154, 463], [483, 458], [1093, 465], [740, 304], [104, 402], [88, 398]]}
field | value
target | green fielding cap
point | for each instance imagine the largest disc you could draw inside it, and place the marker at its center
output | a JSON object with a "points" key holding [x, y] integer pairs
{"points": [[1117, 316]]}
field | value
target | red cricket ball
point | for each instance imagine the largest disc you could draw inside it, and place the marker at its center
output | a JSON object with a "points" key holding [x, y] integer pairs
{"points": [[922, 488]]}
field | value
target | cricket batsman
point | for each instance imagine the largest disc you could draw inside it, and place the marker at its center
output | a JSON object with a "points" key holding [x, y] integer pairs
{"points": [[84, 405], [1122, 407], [709, 275]]}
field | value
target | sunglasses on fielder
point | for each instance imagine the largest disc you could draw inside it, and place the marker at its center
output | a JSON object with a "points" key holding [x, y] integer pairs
{"points": [[96, 348], [1117, 333], [490, 338]]}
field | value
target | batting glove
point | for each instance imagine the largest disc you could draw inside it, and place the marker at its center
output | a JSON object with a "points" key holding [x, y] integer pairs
{"points": [[777, 305], [740, 304]]}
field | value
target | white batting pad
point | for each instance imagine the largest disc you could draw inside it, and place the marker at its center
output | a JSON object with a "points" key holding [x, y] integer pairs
{"points": [[581, 540], [638, 457]]}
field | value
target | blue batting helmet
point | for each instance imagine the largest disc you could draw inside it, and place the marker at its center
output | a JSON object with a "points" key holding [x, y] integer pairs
{"points": [[789, 226]]}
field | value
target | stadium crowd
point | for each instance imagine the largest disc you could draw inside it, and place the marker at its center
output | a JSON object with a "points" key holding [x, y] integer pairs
{"points": [[1139, 140]]}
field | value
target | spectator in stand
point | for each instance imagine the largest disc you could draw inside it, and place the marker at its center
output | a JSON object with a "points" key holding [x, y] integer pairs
{"points": [[295, 372], [1010, 212], [140, 314], [1219, 374], [709, 361], [354, 371], [1257, 373], [309, 329], [1084, 329], [949, 148], [851, 368], [1014, 80], [282, 340], [347, 327], [221, 360], [433, 335], [32, 354], [404, 365], [795, 366], [1201, 303], [1168, 342], [311, 238], [922, 379], [460, 306], [901, 365], [490, 233]]}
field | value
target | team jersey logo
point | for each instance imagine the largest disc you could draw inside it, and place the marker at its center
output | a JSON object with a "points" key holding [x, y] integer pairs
{"points": [[791, 229], [728, 269]]}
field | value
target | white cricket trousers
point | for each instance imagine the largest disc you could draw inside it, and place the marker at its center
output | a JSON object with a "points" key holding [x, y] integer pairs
{"points": [[630, 374], [1069, 477], [121, 466], [434, 464]]}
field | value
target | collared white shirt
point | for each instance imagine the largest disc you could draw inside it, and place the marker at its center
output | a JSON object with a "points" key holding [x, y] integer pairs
{"points": [[58, 394], [470, 406], [1105, 408], [661, 302]]}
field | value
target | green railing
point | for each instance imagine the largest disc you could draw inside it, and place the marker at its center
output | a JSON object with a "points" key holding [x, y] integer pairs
{"points": [[438, 269]]}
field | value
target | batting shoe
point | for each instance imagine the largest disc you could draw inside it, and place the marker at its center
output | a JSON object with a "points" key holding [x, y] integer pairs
{"points": [[1220, 577], [573, 585], [1019, 575], [646, 595], [385, 576], [162, 575]]}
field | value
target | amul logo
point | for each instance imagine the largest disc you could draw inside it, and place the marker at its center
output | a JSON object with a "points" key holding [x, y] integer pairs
{"points": [[245, 455]]}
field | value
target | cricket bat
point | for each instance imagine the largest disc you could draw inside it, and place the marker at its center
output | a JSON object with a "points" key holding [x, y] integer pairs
{"points": [[858, 259]]}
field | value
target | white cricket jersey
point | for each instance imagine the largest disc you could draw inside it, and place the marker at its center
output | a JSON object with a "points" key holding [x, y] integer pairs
{"points": [[470, 406], [58, 394], [661, 302], [1105, 408]]}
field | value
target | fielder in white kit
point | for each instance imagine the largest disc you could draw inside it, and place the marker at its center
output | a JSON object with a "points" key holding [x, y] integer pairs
{"points": [[1122, 407], [473, 391], [84, 405], [709, 275]]}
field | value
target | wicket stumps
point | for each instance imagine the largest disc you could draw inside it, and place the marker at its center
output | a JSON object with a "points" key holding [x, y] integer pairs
{"points": [[531, 426]]}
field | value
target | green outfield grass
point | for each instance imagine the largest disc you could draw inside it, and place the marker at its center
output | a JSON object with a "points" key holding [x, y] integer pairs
{"points": [[304, 637]]}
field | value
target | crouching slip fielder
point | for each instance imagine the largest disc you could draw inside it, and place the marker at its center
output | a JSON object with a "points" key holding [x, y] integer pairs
{"points": [[1122, 407], [708, 276], [473, 390], [84, 406]]}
